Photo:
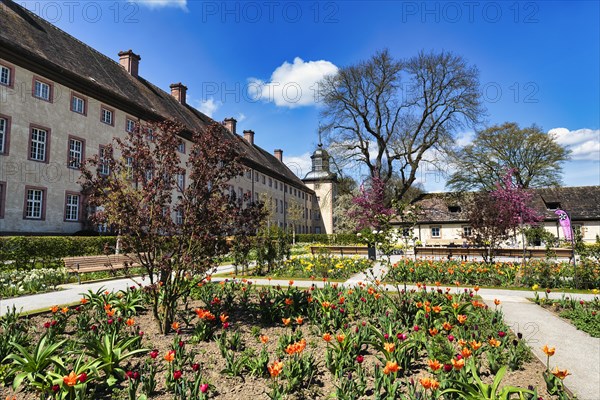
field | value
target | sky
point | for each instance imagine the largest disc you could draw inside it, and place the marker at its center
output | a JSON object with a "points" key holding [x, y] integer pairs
{"points": [[260, 61]]}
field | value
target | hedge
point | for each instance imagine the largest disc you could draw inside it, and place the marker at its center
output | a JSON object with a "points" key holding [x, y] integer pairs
{"points": [[28, 252], [338, 239]]}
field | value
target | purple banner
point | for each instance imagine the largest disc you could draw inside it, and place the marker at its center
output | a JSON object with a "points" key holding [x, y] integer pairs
{"points": [[565, 222]]}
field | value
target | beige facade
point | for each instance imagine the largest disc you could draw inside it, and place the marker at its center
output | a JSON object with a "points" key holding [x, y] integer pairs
{"points": [[70, 123], [443, 234], [443, 217]]}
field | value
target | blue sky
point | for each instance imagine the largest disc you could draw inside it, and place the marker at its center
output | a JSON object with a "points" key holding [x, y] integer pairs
{"points": [[539, 61]]}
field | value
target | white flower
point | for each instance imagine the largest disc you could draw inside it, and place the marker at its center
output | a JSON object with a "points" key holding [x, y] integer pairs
{"points": [[359, 234], [374, 232]]}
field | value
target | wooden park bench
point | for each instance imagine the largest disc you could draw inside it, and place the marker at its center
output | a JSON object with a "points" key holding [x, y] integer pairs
{"points": [[102, 263], [342, 250]]}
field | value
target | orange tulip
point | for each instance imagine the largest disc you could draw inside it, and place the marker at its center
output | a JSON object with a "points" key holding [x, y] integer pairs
{"points": [[497, 302], [434, 365], [391, 367], [466, 353], [130, 322], [475, 345], [289, 302], [291, 282], [54, 309], [64, 310], [175, 326], [170, 356], [275, 368], [433, 331], [476, 288], [71, 379], [429, 383], [264, 339], [110, 313], [455, 305], [327, 337], [461, 318], [340, 338], [223, 318], [299, 320], [437, 309], [83, 300], [389, 347], [447, 326], [560, 373], [326, 304], [286, 321], [494, 342], [107, 307], [458, 364], [548, 350]]}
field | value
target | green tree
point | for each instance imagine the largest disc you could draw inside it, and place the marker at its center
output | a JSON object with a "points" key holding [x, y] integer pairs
{"points": [[534, 157], [389, 114]]}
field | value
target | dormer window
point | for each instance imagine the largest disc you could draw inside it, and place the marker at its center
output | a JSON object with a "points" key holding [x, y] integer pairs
{"points": [[454, 209], [553, 205]]}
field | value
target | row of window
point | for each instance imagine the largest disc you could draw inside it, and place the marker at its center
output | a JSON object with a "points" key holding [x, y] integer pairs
{"points": [[436, 231], [44, 90], [39, 146], [34, 206], [284, 188]]}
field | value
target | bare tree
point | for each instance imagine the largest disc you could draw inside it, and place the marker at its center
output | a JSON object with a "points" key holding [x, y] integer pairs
{"points": [[386, 114]]}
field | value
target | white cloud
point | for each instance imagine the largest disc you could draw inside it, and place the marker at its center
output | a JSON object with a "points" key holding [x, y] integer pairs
{"points": [[208, 106], [292, 85], [299, 165], [464, 138], [154, 4], [241, 117], [583, 143]]}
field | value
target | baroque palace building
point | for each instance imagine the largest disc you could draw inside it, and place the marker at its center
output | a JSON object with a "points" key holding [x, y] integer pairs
{"points": [[61, 102]]}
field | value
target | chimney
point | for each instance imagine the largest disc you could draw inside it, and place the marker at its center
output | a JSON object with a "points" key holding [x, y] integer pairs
{"points": [[130, 61], [249, 136], [230, 124], [179, 91], [278, 154]]}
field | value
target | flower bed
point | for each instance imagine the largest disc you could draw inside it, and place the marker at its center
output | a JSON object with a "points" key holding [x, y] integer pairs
{"points": [[22, 282], [586, 275], [339, 268], [236, 340], [584, 315]]}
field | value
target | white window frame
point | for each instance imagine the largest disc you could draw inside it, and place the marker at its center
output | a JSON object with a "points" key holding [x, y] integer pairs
{"points": [[3, 134], [439, 230], [72, 207], [76, 102], [103, 166], [181, 182], [466, 228], [5, 77], [39, 144], [130, 125], [42, 90], [107, 116], [74, 153], [35, 204], [179, 216]]}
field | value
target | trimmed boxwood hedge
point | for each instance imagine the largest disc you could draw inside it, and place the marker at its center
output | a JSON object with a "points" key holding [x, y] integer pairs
{"points": [[337, 239], [28, 252]]}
